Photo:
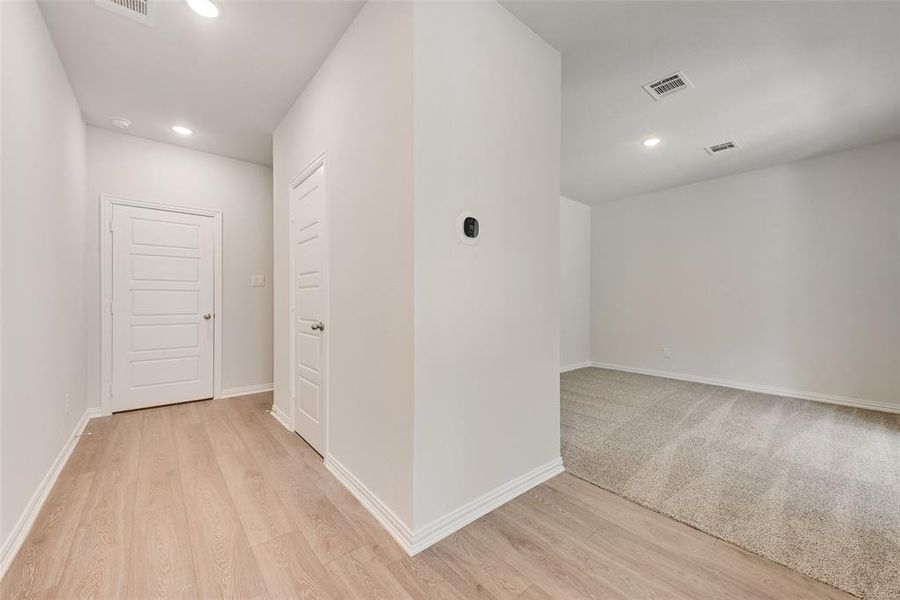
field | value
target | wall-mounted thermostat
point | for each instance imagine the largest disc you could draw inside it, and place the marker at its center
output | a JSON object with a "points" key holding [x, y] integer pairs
{"points": [[468, 228]]}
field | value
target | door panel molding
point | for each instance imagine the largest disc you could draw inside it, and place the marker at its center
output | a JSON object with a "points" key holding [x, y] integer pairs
{"points": [[107, 203]]}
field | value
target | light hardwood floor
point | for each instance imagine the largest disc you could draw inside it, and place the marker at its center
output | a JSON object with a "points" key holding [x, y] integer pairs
{"points": [[217, 500]]}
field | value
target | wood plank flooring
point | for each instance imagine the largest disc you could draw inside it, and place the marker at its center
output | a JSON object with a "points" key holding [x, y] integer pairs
{"points": [[217, 500]]}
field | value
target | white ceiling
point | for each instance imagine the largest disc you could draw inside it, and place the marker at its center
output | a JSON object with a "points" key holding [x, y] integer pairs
{"points": [[230, 79], [785, 80]]}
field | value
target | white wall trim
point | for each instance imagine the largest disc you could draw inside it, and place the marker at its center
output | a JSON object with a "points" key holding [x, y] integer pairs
{"points": [[763, 389], [106, 210], [382, 513], [465, 514], [581, 365], [13, 543], [246, 390], [282, 418], [415, 542]]}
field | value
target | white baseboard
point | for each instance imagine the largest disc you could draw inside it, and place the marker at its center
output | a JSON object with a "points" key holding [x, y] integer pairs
{"points": [[281, 417], [582, 365], [382, 513], [246, 390], [22, 528], [763, 389], [462, 516], [415, 542]]}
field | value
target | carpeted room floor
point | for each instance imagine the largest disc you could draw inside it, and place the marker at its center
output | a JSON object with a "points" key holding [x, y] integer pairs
{"points": [[809, 485]]}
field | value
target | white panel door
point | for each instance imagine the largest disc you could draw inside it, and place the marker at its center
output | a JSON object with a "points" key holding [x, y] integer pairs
{"points": [[309, 301], [163, 297]]}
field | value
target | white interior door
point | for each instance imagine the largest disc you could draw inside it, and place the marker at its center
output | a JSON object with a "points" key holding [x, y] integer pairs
{"points": [[163, 299], [309, 301]]}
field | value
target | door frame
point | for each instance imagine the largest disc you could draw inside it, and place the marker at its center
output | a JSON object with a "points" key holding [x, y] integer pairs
{"points": [[297, 181], [106, 210]]}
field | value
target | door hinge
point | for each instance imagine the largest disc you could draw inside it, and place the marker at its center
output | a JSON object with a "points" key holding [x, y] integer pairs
{"points": [[110, 308], [110, 391], [110, 227]]}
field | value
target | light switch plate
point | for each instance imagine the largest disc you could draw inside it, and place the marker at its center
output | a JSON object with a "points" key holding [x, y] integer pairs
{"points": [[258, 281]]}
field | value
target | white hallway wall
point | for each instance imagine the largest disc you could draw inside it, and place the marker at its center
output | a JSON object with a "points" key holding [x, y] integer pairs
{"points": [[358, 110], [487, 141], [481, 344], [575, 284], [135, 168], [43, 184], [786, 277]]}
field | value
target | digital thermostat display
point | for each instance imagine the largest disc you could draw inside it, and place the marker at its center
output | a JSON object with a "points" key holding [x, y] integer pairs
{"points": [[468, 228]]}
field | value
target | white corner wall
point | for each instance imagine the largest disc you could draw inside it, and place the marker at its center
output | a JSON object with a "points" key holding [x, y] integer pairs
{"points": [[358, 111], [487, 141], [574, 284], [43, 184], [139, 169], [785, 278], [443, 357]]}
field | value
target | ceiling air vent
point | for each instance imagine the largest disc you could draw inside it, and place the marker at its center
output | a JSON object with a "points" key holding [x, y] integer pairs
{"points": [[671, 84], [723, 147], [136, 10]]}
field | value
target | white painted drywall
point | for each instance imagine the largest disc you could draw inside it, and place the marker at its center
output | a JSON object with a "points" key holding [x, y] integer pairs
{"points": [[787, 277], [131, 167], [358, 110], [476, 363], [487, 141], [43, 164], [574, 284]]}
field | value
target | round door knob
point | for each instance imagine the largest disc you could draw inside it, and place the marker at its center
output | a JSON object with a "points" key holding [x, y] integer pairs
{"points": [[207, 316], [320, 326]]}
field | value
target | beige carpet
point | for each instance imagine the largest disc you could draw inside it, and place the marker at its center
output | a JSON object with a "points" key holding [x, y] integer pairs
{"points": [[812, 486]]}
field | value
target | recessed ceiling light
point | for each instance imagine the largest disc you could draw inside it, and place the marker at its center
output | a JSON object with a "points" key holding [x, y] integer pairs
{"points": [[180, 130], [120, 122], [204, 8], [650, 142]]}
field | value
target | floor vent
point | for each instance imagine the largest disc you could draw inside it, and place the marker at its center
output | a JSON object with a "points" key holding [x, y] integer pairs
{"points": [[723, 147], [136, 10], [671, 84]]}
